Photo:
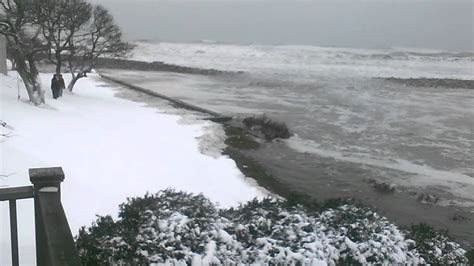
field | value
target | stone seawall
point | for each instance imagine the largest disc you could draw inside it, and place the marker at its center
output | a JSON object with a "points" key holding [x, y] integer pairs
{"points": [[216, 117]]}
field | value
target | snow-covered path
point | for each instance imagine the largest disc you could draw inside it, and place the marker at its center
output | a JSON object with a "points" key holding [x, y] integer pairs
{"points": [[110, 149]]}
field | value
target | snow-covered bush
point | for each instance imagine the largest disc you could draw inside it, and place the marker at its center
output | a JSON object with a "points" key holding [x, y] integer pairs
{"points": [[178, 223], [436, 247], [102, 243], [181, 228], [361, 236], [470, 256]]}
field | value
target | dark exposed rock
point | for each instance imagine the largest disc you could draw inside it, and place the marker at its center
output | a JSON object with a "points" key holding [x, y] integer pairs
{"points": [[434, 82]]}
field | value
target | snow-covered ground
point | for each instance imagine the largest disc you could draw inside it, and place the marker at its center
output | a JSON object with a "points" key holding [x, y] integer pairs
{"points": [[110, 149]]}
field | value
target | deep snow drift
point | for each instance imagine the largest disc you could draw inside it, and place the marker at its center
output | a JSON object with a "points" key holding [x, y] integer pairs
{"points": [[110, 149]]}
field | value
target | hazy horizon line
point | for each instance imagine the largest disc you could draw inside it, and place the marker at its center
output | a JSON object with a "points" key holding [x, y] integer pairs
{"points": [[219, 42]]}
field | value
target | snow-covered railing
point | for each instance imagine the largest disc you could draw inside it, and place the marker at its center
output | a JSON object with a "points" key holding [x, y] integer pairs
{"points": [[12, 195], [54, 241]]}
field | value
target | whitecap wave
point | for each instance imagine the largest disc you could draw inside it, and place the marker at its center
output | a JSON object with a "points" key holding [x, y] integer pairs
{"points": [[302, 61]]}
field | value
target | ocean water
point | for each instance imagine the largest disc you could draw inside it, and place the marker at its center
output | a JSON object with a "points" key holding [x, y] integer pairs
{"points": [[336, 103], [309, 62]]}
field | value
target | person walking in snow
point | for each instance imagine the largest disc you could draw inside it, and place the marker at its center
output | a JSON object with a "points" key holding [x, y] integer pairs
{"points": [[55, 86], [62, 86]]}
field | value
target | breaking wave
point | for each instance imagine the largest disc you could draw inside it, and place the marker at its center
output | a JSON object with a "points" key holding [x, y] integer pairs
{"points": [[310, 62]]}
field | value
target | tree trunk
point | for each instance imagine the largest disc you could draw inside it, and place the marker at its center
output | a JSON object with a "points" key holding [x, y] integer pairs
{"points": [[36, 81], [75, 78], [26, 80], [30, 76], [71, 84], [58, 63], [58, 69]]}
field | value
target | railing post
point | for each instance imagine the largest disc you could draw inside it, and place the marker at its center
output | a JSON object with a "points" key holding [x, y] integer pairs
{"points": [[14, 233], [44, 180], [12, 195]]}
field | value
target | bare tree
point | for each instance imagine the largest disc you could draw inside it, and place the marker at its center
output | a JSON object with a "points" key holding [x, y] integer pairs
{"points": [[17, 25], [100, 38], [60, 20], [68, 31]]}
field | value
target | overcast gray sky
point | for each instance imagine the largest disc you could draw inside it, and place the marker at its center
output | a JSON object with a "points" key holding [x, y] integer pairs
{"points": [[438, 24]]}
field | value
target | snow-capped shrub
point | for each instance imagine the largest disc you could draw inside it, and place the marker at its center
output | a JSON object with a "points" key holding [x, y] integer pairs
{"points": [[177, 222], [361, 236], [435, 247], [470, 256], [273, 232], [102, 243], [181, 228]]}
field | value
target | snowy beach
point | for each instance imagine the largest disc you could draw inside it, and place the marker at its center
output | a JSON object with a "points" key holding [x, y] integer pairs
{"points": [[110, 149]]}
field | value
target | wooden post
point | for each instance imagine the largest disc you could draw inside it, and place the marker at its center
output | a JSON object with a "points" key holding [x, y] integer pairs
{"points": [[14, 233], [13, 194], [43, 178], [47, 178], [54, 241]]}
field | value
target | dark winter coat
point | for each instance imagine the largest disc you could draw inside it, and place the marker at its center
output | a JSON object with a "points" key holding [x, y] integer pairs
{"points": [[54, 84], [61, 83], [55, 87]]}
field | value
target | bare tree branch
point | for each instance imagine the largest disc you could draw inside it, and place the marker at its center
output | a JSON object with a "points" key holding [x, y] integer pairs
{"points": [[23, 43], [100, 38], [60, 20]]}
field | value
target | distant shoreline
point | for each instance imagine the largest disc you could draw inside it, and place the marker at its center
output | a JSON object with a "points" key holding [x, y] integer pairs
{"points": [[434, 82], [419, 50], [115, 63]]}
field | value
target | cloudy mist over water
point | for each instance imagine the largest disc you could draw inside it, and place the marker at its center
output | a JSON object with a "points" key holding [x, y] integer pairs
{"points": [[437, 24]]}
